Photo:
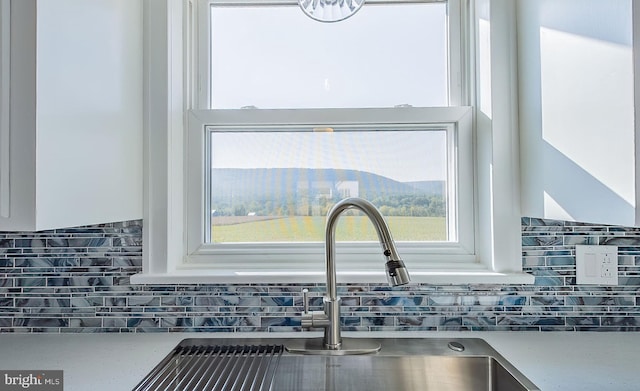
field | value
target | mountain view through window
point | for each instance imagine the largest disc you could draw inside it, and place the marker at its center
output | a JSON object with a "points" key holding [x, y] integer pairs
{"points": [[279, 186]]}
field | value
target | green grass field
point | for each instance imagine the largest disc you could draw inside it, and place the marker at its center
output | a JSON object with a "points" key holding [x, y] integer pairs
{"points": [[311, 229]]}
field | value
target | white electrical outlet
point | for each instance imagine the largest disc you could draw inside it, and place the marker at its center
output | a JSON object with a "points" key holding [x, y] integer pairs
{"points": [[597, 265]]}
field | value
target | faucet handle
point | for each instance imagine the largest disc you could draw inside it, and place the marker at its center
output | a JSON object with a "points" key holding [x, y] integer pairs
{"points": [[306, 320], [312, 319], [305, 300]]}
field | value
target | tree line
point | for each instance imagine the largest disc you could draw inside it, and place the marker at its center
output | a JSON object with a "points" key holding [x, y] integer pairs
{"points": [[419, 205]]}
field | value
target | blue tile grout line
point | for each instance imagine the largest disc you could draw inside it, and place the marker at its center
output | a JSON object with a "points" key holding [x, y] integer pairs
{"points": [[76, 280]]}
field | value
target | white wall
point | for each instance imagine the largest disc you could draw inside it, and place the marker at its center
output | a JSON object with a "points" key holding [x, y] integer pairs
{"points": [[577, 110]]}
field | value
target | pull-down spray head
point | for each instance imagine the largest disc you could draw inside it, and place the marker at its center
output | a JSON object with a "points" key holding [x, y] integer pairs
{"points": [[397, 273]]}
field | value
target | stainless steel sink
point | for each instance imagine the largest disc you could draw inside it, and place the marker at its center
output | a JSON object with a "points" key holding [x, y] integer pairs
{"points": [[401, 364]]}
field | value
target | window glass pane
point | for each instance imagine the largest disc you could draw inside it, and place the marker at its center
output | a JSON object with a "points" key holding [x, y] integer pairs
{"points": [[277, 186], [276, 57]]}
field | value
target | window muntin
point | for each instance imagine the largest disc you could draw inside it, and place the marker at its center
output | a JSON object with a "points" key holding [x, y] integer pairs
{"points": [[277, 184], [273, 57]]}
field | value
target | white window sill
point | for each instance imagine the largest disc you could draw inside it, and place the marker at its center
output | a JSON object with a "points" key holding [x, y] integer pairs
{"points": [[313, 277]]}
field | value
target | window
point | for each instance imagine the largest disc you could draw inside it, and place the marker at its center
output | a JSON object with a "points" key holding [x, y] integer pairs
{"points": [[277, 185], [287, 106], [257, 204], [273, 57]]}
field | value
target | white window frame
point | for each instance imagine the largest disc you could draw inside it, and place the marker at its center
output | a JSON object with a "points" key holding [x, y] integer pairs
{"points": [[173, 242], [5, 79], [309, 256]]}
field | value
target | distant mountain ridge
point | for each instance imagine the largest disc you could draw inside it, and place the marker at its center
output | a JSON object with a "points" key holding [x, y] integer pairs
{"points": [[429, 187], [281, 182]]}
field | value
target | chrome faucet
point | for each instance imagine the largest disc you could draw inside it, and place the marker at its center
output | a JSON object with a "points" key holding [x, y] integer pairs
{"points": [[397, 274]]}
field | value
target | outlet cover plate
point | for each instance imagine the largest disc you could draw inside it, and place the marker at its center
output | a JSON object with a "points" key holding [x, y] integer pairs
{"points": [[597, 265]]}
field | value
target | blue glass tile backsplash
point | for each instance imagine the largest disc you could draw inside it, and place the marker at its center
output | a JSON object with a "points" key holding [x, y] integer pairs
{"points": [[77, 280]]}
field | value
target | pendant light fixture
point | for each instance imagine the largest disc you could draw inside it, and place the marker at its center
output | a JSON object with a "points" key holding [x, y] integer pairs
{"points": [[330, 10]]}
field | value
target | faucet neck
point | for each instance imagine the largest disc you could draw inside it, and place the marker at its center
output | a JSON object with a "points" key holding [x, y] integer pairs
{"points": [[396, 271], [384, 236]]}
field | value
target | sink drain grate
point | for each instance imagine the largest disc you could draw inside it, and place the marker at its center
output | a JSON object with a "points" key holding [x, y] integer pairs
{"points": [[206, 367]]}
